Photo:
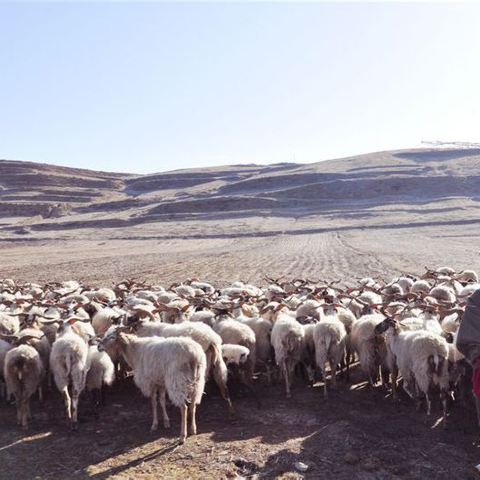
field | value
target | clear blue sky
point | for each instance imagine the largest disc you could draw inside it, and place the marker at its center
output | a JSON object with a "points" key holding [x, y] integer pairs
{"points": [[149, 87]]}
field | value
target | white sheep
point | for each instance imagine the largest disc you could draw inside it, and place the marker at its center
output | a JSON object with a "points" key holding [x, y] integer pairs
{"points": [[209, 340], [421, 357], [69, 365], [173, 366], [101, 372], [369, 347], [329, 336], [23, 372], [4, 348], [288, 344], [238, 333]]}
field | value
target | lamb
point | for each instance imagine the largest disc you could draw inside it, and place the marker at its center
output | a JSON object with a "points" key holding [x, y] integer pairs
{"points": [[23, 372], [329, 336], [69, 365], [288, 343], [175, 366], [235, 332], [205, 336], [234, 354]]}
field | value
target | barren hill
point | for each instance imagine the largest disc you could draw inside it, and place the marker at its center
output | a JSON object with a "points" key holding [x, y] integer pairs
{"points": [[377, 213], [37, 197]]}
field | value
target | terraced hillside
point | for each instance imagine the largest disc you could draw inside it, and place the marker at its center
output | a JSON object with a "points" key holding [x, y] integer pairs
{"points": [[45, 198]]}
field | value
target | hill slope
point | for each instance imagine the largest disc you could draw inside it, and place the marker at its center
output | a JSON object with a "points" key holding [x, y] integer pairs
{"points": [[44, 198]]}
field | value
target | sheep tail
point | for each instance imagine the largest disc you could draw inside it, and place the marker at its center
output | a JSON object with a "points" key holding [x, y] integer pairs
{"points": [[290, 342]]}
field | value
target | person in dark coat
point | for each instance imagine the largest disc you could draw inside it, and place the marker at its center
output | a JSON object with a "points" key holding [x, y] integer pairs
{"points": [[468, 342]]}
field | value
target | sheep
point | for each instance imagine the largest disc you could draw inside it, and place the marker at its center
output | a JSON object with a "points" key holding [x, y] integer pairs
{"points": [[238, 333], [420, 287], [234, 354], [308, 356], [288, 344], [175, 366], [421, 356], [396, 335], [262, 329], [23, 372], [9, 324], [4, 348], [443, 293], [205, 336], [69, 365], [428, 354], [104, 318], [329, 337], [369, 347], [406, 283], [101, 372], [467, 276]]}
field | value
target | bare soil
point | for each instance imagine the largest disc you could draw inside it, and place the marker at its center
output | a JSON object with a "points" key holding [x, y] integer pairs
{"points": [[359, 433]]}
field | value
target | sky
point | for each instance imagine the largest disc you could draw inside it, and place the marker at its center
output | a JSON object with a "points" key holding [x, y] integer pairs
{"points": [[143, 87]]}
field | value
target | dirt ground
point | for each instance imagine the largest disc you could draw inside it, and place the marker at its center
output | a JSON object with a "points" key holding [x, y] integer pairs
{"points": [[359, 433]]}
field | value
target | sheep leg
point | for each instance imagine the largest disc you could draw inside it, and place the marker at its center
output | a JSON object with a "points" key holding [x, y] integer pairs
{"points": [[394, 383], [183, 426], [192, 408], [223, 391], [154, 411], [19, 410], [245, 379], [333, 374], [40, 393], [384, 373], [406, 387], [287, 380], [24, 410], [75, 395], [166, 419], [67, 401], [347, 364], [443, 397], [95, 401], [429, 404]]}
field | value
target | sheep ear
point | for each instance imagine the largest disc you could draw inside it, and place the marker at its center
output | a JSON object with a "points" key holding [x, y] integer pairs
{"points": [[185, 308]]}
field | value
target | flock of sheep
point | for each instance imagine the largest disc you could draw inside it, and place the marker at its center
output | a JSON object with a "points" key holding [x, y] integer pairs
{"points": [[174, 340]]}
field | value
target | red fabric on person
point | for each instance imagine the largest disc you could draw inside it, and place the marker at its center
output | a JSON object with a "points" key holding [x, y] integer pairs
{"points": [[476, 377]]}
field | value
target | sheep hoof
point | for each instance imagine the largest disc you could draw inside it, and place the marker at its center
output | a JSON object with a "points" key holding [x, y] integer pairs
{"points": [[154, 427], [166, 424], [181, 440], [74, 427], [289, 395]]}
